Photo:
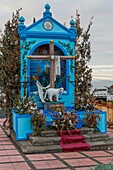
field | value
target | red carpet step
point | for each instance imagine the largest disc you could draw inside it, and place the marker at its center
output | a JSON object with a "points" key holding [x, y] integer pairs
{"points": [[73, 141]]}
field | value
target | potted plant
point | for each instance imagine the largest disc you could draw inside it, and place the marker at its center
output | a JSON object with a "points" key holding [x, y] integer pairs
{"points": [[63, 120], [22, 112], [91, 120], [39, 122]]}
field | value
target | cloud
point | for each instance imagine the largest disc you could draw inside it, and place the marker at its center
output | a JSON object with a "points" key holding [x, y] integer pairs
{"points": [[101, 66]]}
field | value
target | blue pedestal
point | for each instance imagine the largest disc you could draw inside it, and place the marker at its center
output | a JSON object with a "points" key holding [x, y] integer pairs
{"points": [[21, 125], [48, 117]]}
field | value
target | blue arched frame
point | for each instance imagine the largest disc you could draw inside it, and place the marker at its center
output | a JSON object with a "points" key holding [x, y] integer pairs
{"points": [[65, 54]]}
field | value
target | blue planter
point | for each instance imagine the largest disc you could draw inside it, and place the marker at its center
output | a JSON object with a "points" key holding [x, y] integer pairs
{"points": [[102, 126], [21, 125]]}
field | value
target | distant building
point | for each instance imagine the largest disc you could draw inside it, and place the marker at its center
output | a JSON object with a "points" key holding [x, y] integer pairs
{"points": [[100, 94], [103, 94]]}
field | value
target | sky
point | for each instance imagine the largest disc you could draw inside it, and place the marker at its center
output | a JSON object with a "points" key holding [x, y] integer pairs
{"points": [[101, 31]]}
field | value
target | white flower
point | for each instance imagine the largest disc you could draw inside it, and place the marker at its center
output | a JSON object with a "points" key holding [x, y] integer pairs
{"points": [[4, 100], [18, 107]]}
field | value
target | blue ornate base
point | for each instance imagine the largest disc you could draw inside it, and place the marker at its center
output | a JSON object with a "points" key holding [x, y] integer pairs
{"points": [[22, 125]]}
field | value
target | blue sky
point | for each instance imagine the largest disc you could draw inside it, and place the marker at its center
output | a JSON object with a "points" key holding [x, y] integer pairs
{"points": [[62, 10]]}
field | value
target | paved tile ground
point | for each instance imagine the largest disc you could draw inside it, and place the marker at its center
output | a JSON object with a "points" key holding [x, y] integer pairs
{"points": [[11, 157]]}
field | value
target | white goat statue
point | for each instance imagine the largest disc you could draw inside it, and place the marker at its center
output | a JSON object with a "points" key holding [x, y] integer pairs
{"points": [[53, 92]]}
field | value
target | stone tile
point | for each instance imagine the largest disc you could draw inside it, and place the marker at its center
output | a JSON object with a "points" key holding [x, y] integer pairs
{"points": [[16, 158], [1, 131], [96, 153], [41, 165], [4, 139], [69, 155], [105, 160], [56, 164], [21, 166], [47, 156], [7, 166], [40, 157], [34, 157], [4, 159], [12, 152], [81, 162], [3, 135], [48, 164], [1, 147], [3, 152], [6, 142], [9, 147]]}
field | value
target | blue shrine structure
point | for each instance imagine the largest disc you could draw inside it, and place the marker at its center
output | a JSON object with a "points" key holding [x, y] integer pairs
{"points": [[35, 40]]}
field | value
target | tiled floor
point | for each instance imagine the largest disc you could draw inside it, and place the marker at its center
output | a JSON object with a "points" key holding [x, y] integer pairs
{"points": [[11, 158]]}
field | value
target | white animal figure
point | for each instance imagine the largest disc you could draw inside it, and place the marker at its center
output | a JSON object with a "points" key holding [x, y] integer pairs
{"points": [[53, 92]]}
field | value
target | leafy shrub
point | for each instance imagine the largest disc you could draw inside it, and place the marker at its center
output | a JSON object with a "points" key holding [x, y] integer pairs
{"points": [[104, 167]]}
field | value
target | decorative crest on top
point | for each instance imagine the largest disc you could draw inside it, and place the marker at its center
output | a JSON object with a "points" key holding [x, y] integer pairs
{"points": [[47, 11], [72, 26], [21, 25]]}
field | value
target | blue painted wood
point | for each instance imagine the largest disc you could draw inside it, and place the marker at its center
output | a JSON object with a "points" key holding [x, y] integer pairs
{"points": [[37, 33], [21, 125]]}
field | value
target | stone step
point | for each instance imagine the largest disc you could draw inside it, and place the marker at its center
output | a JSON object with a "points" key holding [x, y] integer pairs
{"points": [[41, 149], [43, 141], [96, 137], [49, 133], [101, 145], [85, 130], [93, 139]]}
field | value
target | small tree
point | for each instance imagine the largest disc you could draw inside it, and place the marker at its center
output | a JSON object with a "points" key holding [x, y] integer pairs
{"points": [[10, 64], [83, 75]]}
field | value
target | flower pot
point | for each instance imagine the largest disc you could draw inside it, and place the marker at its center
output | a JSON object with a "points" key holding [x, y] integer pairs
{"points": [[21, 125], [102, 126]]}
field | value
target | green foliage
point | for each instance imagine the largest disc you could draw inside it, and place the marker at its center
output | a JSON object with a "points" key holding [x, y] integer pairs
{"points": [[10, 63], [24, 105], [67, 47], [83, 75], [38, 122], [9, 56], [64, 121], [26, 46], [104, 167], [91, 119]]}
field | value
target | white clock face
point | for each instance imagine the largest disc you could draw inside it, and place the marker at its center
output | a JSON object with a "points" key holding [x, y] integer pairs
{"points": [[48, 25]]}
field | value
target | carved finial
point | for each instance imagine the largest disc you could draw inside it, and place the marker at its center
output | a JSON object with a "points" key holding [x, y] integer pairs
{"points": [[47, 7], [21, 25], [72, 26], [47, 11]]}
